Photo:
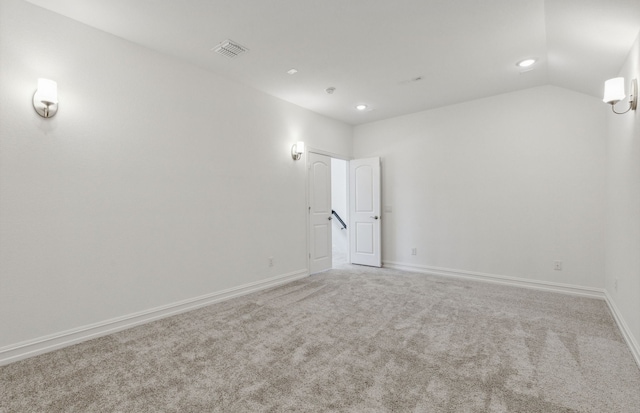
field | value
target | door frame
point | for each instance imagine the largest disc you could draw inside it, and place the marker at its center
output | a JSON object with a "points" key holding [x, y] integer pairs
{"points": [[315, 150]]}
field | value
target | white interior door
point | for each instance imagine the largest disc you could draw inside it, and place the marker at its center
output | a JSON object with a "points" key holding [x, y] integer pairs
{"points": [[364, 212], [320, 212]]}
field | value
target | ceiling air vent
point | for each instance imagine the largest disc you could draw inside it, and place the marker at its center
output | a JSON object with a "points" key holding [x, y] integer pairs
{"points": [[230, 49]]}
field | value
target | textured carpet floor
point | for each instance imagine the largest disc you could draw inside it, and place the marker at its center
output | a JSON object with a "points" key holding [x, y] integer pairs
{"points": [[354, 339]]}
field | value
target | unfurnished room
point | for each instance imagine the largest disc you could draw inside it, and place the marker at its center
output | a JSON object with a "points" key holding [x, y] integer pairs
{"points": [[319, 206]]}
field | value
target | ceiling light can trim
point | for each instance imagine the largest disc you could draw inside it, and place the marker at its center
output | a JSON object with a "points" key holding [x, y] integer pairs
{"points": [[528, 62]]}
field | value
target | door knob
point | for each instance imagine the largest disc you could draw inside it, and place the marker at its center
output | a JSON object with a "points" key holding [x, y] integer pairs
{"points": [[374, 217], [329, 218]]}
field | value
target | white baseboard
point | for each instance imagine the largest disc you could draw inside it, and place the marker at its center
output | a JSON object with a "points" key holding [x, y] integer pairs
{"points": [[52, 342], [624, 328], [502, 279], [534, 284], [23, 350]]}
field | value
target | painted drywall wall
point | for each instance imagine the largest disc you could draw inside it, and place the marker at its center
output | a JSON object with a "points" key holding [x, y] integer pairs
{"points": [[623, 205], [339, 196], [500, 186], [156, 181]]}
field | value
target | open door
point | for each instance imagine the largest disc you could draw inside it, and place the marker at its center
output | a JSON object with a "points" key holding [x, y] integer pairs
{"points": [[364, 212], [319, 213]]}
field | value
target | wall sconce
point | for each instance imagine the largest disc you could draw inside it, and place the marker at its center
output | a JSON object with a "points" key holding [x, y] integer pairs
{"points": [[45, 100], [297, 150], [614, 93]]}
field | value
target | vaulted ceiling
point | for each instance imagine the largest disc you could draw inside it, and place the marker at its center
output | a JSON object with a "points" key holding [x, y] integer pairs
{"points": [[395, 56]]}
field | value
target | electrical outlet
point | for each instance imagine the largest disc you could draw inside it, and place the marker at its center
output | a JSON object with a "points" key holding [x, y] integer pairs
{"points": [[270, 261], [557, 265], [414, 251]]}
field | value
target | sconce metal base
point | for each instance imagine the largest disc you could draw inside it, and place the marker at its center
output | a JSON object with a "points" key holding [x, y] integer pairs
{"points": [[44, 109], [633, 99], [295, 155]]}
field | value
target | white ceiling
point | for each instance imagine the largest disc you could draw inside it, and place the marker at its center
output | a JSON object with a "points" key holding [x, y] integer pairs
{"points": [[370, 49]]}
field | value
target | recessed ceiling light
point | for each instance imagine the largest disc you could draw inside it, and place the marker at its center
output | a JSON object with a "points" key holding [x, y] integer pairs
{"points": [[361, 107], [292, 71], [526, 62]]}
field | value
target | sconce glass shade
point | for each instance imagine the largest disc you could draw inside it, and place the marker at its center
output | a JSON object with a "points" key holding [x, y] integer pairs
{"points": [[297, 150], [614, 90], [47, 90], [45, 100]]}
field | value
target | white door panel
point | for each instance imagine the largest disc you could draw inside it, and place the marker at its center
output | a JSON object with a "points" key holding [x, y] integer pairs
{"points": [[363, 189], [320, 234], [364, 238], [320, 212], [364, 212]]}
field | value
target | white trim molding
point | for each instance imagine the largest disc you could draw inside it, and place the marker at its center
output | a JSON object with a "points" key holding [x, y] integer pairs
{"points": [[501, 279], [624, 328], [577, 290], [26, 349], [327, 153]]}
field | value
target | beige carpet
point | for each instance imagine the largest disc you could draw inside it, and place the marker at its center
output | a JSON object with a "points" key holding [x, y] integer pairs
{"points": [[350, 340]]}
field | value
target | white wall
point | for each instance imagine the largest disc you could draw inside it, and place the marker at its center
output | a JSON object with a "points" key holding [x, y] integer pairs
{"points": [[156, 181], [623, 207], [501, 186], [339, 204]]}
